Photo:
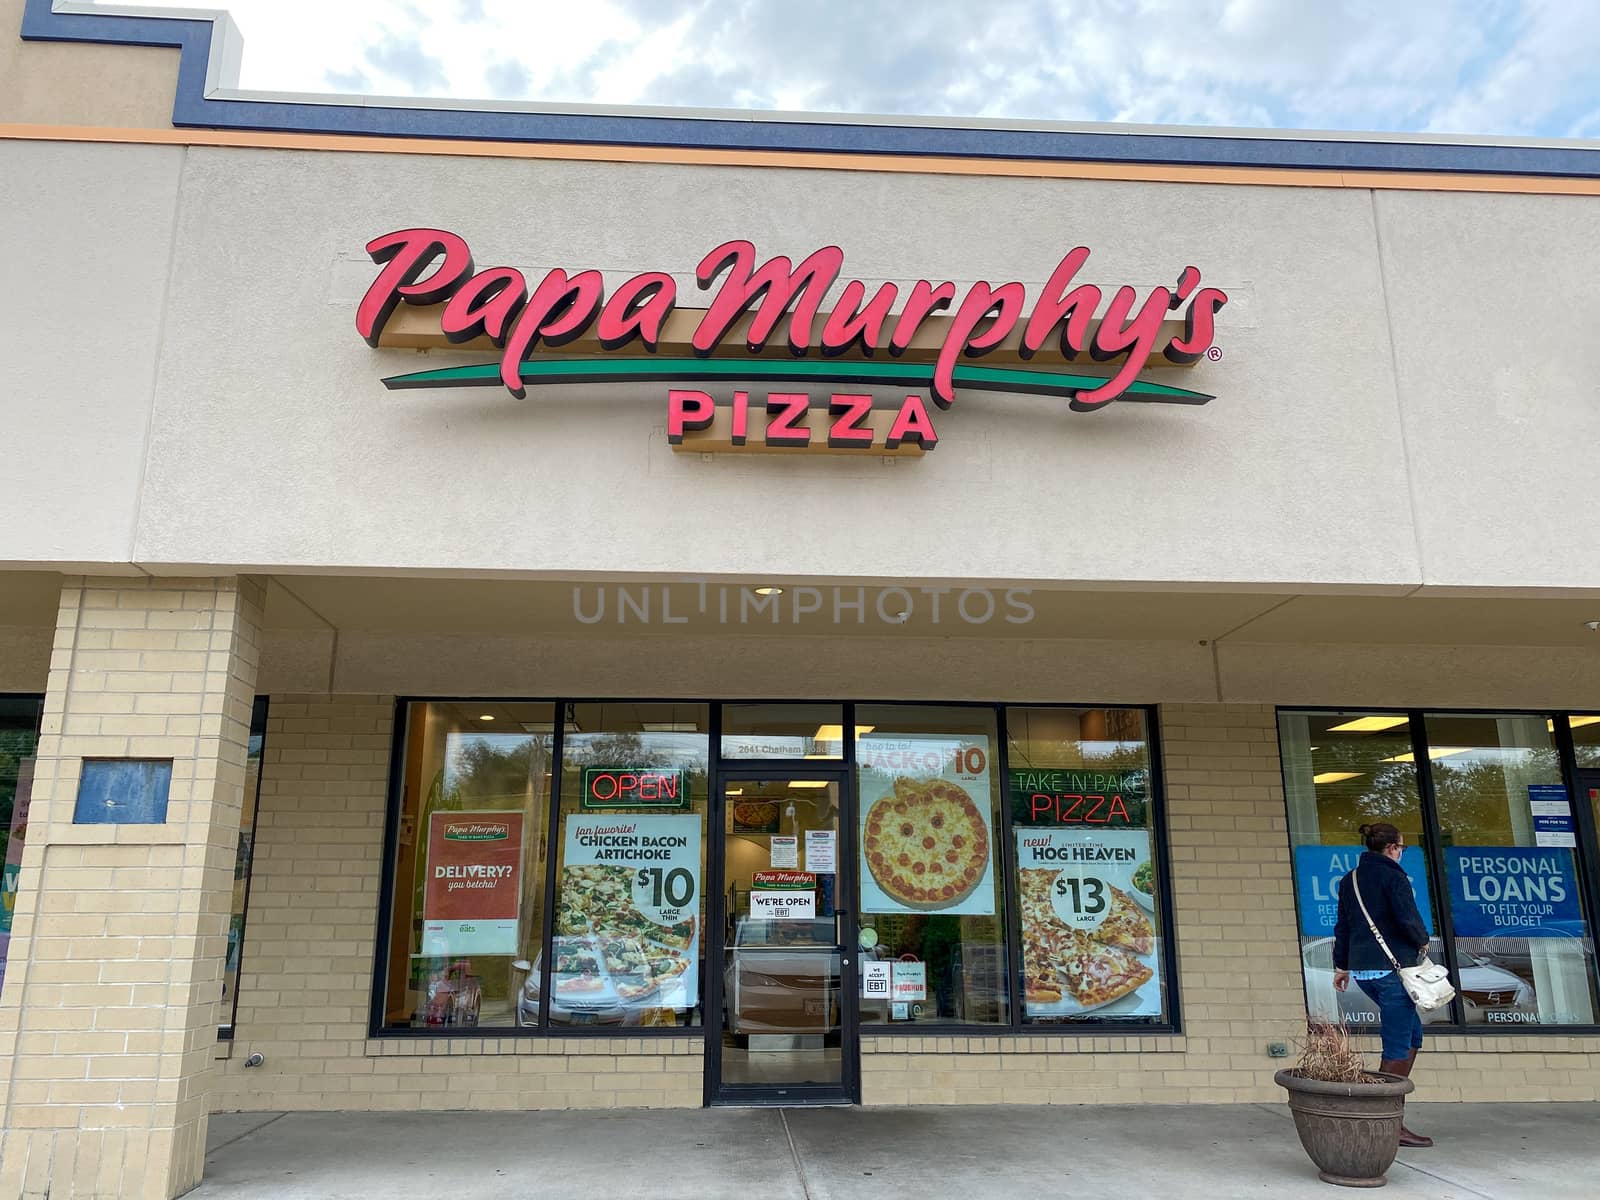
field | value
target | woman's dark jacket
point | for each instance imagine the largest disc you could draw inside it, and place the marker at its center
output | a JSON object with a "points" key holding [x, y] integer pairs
{"points": [[1387, 890]]}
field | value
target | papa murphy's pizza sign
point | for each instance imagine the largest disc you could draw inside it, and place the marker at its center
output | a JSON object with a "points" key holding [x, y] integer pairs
{"points": [[928, 338]]}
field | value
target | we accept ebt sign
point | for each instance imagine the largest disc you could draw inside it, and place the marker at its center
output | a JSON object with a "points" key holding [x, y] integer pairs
{"points": [[1318, 870]]}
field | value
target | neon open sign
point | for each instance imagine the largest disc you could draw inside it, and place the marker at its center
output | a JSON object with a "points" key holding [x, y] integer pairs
{"points": [[635, 787]]}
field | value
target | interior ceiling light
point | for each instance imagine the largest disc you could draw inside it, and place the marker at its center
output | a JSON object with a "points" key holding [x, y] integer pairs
{"points": [[1336, 776], [486, 717], [734, 792], [1433, 752], [808, 783], [1574, 722], [769, 590], [835, 733], [1368, 724]]}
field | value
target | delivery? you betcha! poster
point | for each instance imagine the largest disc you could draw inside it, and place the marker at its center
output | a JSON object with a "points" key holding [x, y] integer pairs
{"points": [[473, 889]]}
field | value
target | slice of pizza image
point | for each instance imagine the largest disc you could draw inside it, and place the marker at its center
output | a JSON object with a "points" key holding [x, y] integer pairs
{"points": [[1090, 967]]}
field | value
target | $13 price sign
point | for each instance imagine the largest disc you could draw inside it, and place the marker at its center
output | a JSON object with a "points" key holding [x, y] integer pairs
{"points": [[1081, 899]]}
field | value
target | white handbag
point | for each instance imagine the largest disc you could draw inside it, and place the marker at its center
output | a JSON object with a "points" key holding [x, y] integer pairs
{"points": [[1427, 983]]}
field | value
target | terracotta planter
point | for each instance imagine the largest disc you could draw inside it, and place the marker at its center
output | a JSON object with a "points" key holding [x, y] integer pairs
{"points": [[1350, 1130]]}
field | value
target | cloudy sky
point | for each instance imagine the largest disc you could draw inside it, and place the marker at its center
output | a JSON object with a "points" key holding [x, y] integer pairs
{"points": [[1509, 67]]}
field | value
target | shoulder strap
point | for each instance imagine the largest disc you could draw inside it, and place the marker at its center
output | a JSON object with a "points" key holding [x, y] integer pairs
{"points": [[1355, 882]]}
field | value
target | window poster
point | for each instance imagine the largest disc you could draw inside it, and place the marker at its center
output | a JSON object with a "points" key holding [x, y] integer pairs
{"points": [[627, 923], [1318, 870], [820, 844], [1089, 937], [926, 841], [1524, 950], [472, 893], [1513, 891]]}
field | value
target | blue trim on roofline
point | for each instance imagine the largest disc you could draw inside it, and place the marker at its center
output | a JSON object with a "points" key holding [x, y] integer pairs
{"points": [[192, 109]]}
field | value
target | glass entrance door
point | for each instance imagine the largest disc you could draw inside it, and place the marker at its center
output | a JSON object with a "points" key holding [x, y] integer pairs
{"points": [[787, 1030]]}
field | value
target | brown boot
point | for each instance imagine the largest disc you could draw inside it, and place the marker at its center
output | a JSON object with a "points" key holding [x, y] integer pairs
{"points": [[1409, 1140]]}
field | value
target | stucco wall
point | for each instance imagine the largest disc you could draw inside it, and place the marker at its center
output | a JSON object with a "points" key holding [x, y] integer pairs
{"points": [[1378, 424]]}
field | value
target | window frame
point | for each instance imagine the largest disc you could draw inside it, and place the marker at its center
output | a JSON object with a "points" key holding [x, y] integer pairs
{"points": [[1587, 849], [717, 766], [260, 714]]}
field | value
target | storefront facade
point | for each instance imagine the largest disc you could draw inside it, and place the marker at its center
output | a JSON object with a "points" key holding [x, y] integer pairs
{"points": [[977, 723]]}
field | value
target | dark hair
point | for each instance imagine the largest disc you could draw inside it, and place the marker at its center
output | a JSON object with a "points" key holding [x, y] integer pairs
{"points": [[1378, 835]]}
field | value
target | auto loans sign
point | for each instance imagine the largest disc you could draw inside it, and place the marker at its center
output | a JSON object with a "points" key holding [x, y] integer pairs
{"points": [[529, 326]]}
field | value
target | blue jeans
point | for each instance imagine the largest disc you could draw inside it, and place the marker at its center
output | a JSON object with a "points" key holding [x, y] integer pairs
{"points": [[1401, 1026]]}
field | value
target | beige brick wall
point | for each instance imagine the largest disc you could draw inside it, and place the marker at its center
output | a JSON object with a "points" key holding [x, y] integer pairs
{"points": [[306, 972], [308, 957], [107, 1019]]}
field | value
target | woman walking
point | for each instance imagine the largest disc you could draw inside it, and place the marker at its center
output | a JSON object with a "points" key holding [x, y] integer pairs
{"points": [[1386, 891]]}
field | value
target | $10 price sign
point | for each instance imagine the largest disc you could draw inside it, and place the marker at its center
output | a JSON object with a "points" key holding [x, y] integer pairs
{"points": [[661, 855]]}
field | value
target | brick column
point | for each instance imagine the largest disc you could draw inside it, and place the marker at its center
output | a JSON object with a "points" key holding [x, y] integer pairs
{"points": [[109, 1011]]}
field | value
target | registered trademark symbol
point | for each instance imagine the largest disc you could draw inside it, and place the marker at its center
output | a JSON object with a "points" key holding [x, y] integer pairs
{"points": [[1214, 353]]}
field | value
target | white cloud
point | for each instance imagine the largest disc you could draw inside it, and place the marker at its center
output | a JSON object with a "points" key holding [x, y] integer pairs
{"points": [[1491, 66]]}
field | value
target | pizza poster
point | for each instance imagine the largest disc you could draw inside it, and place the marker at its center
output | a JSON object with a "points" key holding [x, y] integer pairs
{"points": [[926, 840], [627, 911], [1089, 924], [472, 894]]}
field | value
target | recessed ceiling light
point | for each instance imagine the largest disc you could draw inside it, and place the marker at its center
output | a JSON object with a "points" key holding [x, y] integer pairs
{"points": [[835, 733], [1574, 722], [1368, 724], [1433, 752], [1336, 776], [486, 717], [769, 591]]}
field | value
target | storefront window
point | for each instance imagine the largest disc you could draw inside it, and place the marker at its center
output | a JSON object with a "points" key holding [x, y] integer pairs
{"points": [[469, 863], [1524, 944], [628, 944], [1586, 740], [19, 741], [241, 866], [755, 731], [1088, 875], [1342, 770], [931, 901]]}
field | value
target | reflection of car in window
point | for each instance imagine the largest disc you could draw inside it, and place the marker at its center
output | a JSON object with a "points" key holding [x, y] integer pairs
{"points": [[1485, 988], [1517, 954], [782, 977], [598, 981]]}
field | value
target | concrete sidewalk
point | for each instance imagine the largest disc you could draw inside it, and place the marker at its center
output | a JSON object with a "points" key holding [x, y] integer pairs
{"points": [[1485, 1152]]}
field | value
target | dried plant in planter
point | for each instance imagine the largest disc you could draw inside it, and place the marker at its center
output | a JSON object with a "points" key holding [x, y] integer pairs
{"points": [[1328, 1055]]}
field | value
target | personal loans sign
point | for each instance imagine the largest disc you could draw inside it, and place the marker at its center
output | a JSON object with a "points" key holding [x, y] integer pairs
{"points": [[545, 332]]}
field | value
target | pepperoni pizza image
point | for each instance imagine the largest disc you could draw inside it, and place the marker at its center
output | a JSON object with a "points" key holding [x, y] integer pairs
{"points": [[926, 844]]}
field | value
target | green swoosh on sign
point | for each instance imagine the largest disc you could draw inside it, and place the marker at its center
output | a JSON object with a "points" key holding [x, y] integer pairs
{"points": [[618, 370]]}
